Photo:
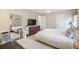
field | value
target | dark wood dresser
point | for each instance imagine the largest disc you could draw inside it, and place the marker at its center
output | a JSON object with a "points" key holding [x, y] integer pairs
{"points": [[34, 29]]}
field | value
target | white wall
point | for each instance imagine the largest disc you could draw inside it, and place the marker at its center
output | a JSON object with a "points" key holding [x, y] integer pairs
{"points": [[51, 20], [54, 19], [4, 20]]}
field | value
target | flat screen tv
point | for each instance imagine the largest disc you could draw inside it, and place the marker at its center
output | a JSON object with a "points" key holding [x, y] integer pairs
{"points": [[31, 22]]}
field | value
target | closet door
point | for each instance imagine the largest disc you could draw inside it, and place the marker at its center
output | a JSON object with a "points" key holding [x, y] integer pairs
{"points": [[42, 21]]}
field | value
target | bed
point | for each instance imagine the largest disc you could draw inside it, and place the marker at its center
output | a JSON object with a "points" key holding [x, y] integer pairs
{"points": [[56, 38]]}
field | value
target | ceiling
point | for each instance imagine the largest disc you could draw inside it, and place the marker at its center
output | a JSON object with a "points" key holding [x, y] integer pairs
{"points": [[44, 11]]}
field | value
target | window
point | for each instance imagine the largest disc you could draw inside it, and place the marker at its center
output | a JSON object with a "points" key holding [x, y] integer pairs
{"points": [[75, 21]]}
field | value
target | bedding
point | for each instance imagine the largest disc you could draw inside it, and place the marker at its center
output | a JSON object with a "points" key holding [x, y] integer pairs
{"points": [[55, 38]]}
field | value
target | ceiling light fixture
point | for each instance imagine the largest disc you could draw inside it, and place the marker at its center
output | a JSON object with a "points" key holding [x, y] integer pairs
{"points": [[48, 11]]}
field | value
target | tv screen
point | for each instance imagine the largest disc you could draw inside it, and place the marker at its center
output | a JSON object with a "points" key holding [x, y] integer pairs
{"points": [[31, 21]]}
